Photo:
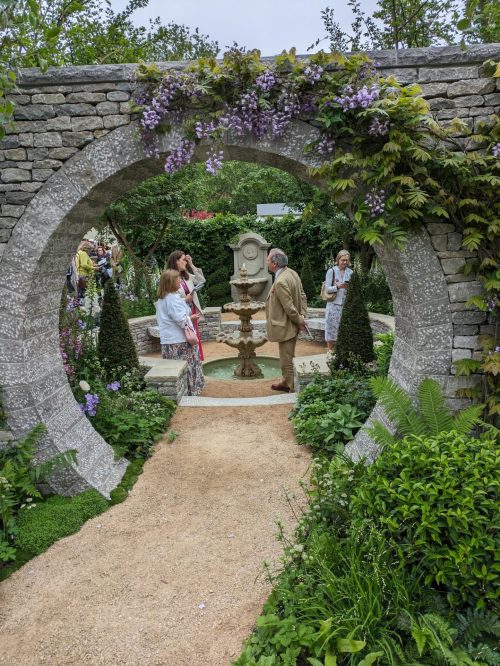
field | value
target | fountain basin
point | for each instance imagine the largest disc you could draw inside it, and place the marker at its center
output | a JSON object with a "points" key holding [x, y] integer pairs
{"points": [[223, 368]]}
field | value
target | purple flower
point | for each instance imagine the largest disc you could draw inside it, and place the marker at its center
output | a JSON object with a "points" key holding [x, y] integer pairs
{"points": [[114, 386], [180, 156], [313, 73], [326, 146], [91, 402], [81, 324], [214, 162], [376, 202], [266, 81], [495, 151], [357, 99], [378, 128]]}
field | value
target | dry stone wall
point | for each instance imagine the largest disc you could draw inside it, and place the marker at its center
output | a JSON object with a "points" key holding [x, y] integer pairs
{"points": [[74, 148]]}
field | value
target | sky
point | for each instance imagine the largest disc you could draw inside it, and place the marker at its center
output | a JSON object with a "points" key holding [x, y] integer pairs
{"points": [[268, 25]]}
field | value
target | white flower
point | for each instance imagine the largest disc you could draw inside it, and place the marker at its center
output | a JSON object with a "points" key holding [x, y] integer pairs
{"points": [[85, 386]]}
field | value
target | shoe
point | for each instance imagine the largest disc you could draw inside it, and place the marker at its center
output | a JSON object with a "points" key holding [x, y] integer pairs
{"points": [[280, 387]]}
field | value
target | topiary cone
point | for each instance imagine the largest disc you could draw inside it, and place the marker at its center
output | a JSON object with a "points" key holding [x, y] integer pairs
{"points": [[355, 333], [115, 346]]}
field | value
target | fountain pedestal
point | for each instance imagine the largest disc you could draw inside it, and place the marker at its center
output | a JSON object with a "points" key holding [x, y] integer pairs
{"points": [[246, 340]]}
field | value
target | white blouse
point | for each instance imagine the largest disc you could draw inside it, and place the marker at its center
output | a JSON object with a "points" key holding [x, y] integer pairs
{"points": [[172, 313]]}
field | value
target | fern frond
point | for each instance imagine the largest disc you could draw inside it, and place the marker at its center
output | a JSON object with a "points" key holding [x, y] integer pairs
{"points": [[398, 406], [435, 414], [485, 655], [474, 623], [464, 421], [381, 435]]}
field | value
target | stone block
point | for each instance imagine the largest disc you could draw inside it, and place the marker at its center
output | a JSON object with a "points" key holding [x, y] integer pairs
{"points": [[85, 97], [453, 384], [19, 98], [107, 108], [9, 142], [466, 342], [86, 123], [486, 121], [5, 234], [75, 110], [76, 139], [435, 74], [469, 317], [454, 265], [41, 175], [434, 89], [15, 154], [26, 139], [466, 330], [463, 291], [99, 133], [62, 153], [59, 124], [438, 103], [19, 198], [492, 100], [48, 140], [15, 175], [468, 87], [12, 210], [30, 187], [457, 277], [460, 129], [116, 121], [38, 153], [48, 98], [118, 96], [47, 164], [468, 101], [438, 228], [34, 112], [454, 241], [126, 107]]}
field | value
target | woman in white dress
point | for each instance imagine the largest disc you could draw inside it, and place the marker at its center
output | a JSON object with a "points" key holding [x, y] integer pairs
{"points": [[336, 282], [173, 313]]}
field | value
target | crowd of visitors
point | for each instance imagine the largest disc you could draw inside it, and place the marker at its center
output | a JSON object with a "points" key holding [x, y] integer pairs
{"points": [[92, 258]]}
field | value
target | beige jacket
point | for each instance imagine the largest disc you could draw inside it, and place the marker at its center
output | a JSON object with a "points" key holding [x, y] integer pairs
{"points": [[194, 280], [286, 307]]}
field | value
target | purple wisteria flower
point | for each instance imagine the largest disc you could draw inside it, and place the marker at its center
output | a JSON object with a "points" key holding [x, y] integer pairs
{"points": [[495, 151], [378, 127], [91, 402], [313, 73], [376, 202], [326, 146], [180, 156], [358, 99], [214, 162], [203, 130], [114, 386], [266, 81]]}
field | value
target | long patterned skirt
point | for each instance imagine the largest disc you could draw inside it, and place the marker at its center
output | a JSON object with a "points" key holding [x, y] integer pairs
{"points": [[333, 315], [183, 351]]}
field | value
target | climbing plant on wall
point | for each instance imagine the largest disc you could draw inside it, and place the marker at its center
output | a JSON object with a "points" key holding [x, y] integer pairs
{"points": [[383, 158]]}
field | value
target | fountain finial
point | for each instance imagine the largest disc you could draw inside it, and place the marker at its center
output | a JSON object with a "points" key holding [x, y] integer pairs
{"points": [[243, 272]]}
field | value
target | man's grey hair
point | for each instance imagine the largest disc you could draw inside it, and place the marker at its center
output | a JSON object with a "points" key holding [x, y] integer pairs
{"points": [[278, 257]]}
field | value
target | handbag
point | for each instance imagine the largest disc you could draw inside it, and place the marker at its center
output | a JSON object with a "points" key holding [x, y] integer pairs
{"points": [[325, 296], [191, 337]]}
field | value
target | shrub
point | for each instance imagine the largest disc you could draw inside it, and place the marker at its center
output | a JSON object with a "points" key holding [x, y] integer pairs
{"points": [[331, 409], [437, 499], [55, 518], [355, 333], [115, 345], [383, 352], [307, 279]]}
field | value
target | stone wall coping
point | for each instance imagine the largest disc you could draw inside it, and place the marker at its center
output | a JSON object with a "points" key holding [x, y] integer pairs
{"points": [[141, 320], [167, 370], [429, 56]]}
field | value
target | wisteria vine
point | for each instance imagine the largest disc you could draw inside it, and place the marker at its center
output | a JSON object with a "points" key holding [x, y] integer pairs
{"points": [[378, 147]]}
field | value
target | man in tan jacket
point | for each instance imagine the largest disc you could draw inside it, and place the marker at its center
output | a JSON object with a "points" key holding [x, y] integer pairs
{"points": [[286, 307]]}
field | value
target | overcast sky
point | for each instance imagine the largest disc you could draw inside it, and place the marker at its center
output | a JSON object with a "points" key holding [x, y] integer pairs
{"points": [[269, 25]]}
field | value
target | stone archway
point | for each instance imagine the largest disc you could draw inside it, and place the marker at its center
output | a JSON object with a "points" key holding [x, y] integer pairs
{"points": [[432, 321]]}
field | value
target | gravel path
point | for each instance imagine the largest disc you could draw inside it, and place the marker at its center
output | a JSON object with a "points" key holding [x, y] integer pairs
{"points": [[173, 576]]}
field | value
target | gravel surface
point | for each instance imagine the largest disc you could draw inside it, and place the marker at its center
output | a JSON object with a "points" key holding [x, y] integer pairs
{"points": [[173, 576]]}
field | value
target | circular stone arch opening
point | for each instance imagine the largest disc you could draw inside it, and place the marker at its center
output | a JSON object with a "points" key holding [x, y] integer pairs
{"points": [[45, 238]]}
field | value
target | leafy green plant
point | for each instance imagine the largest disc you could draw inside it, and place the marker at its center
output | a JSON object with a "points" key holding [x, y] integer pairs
{"points": [[131, 423], [431, 417], [18, 484], [383, 352], [331, 409], [56, 517], [436, 497]]}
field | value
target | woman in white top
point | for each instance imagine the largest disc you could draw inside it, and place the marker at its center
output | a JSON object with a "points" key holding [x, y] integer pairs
{"points": [[336, 281], [173, 314], [191, 277]]}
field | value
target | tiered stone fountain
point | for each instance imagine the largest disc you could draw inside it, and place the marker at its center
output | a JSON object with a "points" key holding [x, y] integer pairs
{"points": [[245, 339]]}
